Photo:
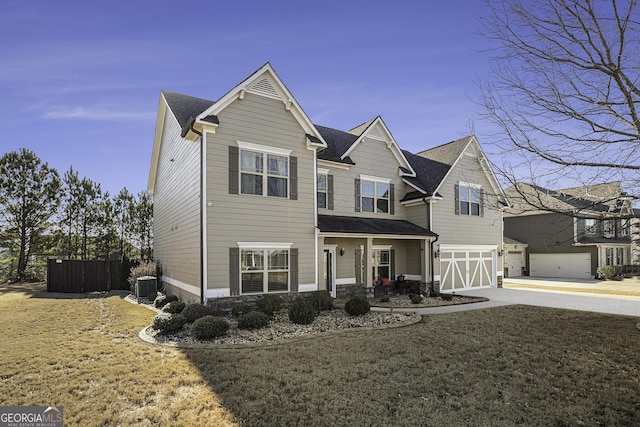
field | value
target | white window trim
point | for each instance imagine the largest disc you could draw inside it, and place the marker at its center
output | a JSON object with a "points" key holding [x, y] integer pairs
{"points": [[470, 185], [375, 179], [265, 270], [264, 245], [375, 196], [263, 148], [324, 172], [590, 230]]}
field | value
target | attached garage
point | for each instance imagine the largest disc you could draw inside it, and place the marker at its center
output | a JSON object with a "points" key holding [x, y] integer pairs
{"points": [[467, 267], [575, 266]]}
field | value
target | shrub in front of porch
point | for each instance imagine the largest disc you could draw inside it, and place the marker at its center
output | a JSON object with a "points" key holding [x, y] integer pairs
{"points": [[253, 320], [208, 327], [302, 313], [415, 298], [357, 306], [167, 323], [321, 300], [270, 304]]}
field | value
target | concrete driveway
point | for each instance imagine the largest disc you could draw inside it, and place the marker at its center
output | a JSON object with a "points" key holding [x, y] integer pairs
{"points": [[616, 298]]}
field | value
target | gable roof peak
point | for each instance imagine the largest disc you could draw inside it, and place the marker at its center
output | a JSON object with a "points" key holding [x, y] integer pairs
{"points": [[357, 131]]}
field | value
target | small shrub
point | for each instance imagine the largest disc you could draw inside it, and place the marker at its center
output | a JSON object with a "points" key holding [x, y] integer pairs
{"points": [[270, 304], [446, 297], [208, 327], [302, 313], [607, 272], [357, 306], [415, 298], [167, 323], [321, 300], [145, 268], [240, 309], [193, 312], [174, 307], [253, 320]]}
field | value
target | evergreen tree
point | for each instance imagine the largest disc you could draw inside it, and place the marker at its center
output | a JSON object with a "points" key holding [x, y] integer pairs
{"points": [[29, 196]]}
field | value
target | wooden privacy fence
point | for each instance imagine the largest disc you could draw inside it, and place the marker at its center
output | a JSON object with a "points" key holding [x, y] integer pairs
{"points": [[80, 276]]}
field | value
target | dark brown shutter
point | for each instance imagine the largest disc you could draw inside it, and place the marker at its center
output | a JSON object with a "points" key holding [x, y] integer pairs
{"points": [[293, 178], [293, 269], [481, 202], [234, 187], [392, 209], [234, 271], [357, 193], [456, 189], [392, 264], [330, 192]]}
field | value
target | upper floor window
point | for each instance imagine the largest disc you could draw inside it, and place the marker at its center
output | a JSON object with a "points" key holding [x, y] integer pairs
{"points": [[374, 195], [322, 190], [609, 228], [590, 226], [624, 227], [468, 200], [255, 177], [262, 170]]}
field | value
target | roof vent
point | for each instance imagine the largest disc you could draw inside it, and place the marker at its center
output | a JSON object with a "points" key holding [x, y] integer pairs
{"points": [[375, 133], [264, 87]]}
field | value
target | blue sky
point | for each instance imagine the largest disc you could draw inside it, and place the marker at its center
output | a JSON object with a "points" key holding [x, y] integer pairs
{"points": [[80, 81]]}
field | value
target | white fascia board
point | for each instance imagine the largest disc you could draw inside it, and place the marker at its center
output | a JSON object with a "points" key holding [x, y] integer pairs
{"points": [[157, 142], [377, 236], [415, 187], [453, 166]]}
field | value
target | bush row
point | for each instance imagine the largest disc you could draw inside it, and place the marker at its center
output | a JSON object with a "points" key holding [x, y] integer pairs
{"points": [[205, 325]]}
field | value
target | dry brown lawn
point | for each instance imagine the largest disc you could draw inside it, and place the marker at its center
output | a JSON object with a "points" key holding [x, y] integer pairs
{"points": [[500, 367]]}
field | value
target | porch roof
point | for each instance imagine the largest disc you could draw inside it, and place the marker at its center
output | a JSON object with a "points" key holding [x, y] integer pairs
{"points": [[360, 225]]}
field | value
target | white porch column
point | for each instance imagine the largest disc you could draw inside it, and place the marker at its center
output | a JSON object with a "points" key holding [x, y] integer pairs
{"points": [[367, 262], [424, 255]]}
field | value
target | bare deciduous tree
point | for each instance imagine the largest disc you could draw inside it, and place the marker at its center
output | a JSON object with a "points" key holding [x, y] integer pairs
{"points": [[565, 91]]}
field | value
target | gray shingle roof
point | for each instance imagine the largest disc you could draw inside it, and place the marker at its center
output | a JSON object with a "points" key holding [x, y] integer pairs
{"points": [[447, 153], [338, 142], [184, 106], [360, 225]]}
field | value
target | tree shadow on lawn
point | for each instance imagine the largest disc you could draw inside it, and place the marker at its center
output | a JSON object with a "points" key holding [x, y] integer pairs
{"points": [[502, 366]]}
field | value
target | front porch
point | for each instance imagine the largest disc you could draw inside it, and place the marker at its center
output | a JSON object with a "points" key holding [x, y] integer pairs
{"points": [[354, 260]]}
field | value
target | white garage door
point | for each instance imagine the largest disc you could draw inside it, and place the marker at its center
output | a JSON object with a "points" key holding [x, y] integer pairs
{"points": [[576, 266], [468, 267]]}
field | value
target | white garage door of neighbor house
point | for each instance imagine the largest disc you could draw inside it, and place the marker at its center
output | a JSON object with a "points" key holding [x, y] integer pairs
{"points": [[467, 267], [576, 266]]}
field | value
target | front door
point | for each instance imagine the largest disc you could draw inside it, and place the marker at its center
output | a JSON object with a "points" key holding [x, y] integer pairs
{"points": [[329, 271]]}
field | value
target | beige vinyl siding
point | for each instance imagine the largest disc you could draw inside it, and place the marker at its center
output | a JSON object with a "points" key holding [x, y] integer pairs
{"points": [[466, 229], [233, 218], [372, 158], [176, 206]]}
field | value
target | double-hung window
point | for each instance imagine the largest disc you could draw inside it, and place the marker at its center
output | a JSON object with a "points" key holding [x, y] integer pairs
{"points": [[381, 264], [375, 196], [260, 171], [322, 190], [469, 200], [609, 228], [620, 256], [624, 227], [590, 226], [264, 270]]}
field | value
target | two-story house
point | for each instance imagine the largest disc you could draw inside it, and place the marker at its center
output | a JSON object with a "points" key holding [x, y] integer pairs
{"points": [[251, 197], [570, 232]]}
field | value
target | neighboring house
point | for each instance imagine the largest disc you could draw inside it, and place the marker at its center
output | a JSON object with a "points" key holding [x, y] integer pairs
{"points": [[570, 232], [250, 197]]}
